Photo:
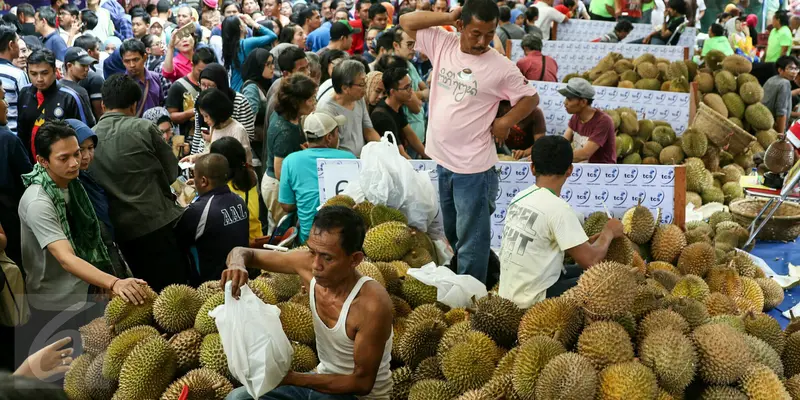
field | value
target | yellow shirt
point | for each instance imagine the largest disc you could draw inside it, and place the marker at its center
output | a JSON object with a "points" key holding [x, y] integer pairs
{"points": [[251, 198]]}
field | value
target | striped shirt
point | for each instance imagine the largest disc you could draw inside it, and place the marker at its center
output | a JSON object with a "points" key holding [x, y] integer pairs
{"points": [[14, 79]]}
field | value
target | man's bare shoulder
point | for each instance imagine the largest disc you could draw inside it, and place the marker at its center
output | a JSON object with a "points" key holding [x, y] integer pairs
{"points": [[373, 299]]}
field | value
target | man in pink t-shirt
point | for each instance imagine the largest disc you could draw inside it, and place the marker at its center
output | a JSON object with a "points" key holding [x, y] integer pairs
{"points": [[469, 80], [590, 130]]}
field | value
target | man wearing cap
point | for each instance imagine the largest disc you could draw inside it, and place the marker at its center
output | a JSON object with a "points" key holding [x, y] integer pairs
{"points": [[341, 36], [535, 66], [508, 29], [214, 223], [590, 130], [299, 190], [75, 69]]}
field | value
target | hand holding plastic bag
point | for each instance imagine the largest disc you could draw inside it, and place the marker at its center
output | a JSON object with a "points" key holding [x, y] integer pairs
{"points": [[451, 289], [258, 351]]}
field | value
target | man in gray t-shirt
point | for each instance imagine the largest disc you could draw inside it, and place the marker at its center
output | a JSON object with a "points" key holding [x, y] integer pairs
{"points": [[349, 87], [778, 92]]}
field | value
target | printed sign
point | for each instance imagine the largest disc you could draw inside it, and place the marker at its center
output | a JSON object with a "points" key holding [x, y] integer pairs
{"points": [[648, 104], [581, 30], [592, 187], [580, 57]]}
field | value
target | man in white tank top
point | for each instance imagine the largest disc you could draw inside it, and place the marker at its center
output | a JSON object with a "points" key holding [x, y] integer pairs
{"points": [[352, 313]]}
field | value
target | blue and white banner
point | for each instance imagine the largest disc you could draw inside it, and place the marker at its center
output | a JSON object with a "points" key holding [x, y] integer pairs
{"points": [[648, 104], [579, 57], [592, 187], [581, 30]]}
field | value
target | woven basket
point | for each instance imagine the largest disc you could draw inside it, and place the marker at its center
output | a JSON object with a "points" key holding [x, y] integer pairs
{"points": [[784, 225], [721, 131]]}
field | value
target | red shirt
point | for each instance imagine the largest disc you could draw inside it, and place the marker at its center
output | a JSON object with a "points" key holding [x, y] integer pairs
{"points": [[600, 130], [531, 67], [358, 38]]}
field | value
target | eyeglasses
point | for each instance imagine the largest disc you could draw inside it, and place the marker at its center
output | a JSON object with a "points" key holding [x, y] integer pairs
{"points": [[410, 44], [361, 85], [405, 88]]}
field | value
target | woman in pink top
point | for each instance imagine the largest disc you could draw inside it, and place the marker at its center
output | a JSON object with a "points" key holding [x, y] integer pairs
{"points": [[176, 66], [217, 108]]}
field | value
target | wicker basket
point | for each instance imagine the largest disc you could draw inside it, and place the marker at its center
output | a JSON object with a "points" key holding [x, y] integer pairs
{"points": [[721, 131], [784, 225]]}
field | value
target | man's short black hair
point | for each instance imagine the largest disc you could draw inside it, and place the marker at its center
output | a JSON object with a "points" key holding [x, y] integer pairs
{"points": [[216, 104], [72, 9], [120, 92], [204, 55], [289, 57], [49, 133], [551, 155], [42, 56], [25, 9], [531, 13], [163, 6], [717, 30], [8, 34], [624, 26], [89, 19], [346, 222], [214, 167], [162, 119], [385, 40], [48, 14], [134, 45], [505, 13], [679, 6], [482, 10], [388, 62], [783, 62], [783, 17], [392, 77], [143, 15], [11, 19], [376, 9], [305, 15], [87, 42]]}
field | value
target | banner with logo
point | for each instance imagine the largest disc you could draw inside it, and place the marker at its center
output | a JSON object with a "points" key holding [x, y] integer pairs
{"points": [[592, 187], [581, 30], [671, 107], [579, 57]]}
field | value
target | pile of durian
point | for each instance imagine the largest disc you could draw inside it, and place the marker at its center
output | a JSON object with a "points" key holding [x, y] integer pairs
{"points": [[645, 72], [150, 351]]}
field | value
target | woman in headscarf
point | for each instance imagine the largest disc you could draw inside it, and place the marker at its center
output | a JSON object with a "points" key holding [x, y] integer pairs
{"points": [[257, 72], [236, 46], [375, 90], [216, 76]]}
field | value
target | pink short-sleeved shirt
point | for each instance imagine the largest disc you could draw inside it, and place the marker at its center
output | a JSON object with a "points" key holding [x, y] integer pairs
{"points": [[465, 93]]}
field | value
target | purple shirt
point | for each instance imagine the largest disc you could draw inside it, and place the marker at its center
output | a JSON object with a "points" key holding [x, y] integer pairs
{"points": [[154, 97]]}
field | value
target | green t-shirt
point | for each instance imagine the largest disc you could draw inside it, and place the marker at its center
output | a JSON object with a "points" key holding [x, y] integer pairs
{"points": [[283, 138], [719, 43], [778, 38], [598, 7], [648, 6]]}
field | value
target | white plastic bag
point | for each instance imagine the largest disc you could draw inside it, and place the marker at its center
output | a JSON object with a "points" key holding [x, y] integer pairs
{"points": [[258, 351], [388, 178], [451, 289]]}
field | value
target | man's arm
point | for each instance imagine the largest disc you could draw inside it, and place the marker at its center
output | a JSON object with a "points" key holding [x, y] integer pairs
{"points": [[520, 111], [241, 258], [164, 154], [413, 141], [419, 20], [179, 117], [414, 103], [371, 135], [288, 207], [373, 330], [97, 108], [585, 152], [780, 124], [422, 92], [588, 254]]}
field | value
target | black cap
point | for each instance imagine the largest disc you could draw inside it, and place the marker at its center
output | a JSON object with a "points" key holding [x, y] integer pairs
{"points": [[78, 54], [342, 28]]}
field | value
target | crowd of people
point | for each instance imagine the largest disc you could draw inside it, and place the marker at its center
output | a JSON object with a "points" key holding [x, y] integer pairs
{"points": [[103, 104]]}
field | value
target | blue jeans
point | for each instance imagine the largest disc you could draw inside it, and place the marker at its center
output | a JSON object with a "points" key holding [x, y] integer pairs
{"points": [[647, 17], [289, 393], [468, 201]]}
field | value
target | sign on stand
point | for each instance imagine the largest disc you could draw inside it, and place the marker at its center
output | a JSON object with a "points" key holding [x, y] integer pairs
{"points": [[592, 187], [581, 30], [579, 57], [675, 108]]}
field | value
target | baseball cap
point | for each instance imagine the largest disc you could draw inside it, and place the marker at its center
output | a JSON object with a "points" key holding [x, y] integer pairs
{"points": [[342, 28], [578, 87], [78, 54], [317, 124]]}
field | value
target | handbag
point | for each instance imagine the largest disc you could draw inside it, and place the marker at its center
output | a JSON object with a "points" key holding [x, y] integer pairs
{"points": [[14, 309]]}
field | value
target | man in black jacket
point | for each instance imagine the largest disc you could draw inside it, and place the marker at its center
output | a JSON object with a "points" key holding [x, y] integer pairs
{"points": [[45, 99]]}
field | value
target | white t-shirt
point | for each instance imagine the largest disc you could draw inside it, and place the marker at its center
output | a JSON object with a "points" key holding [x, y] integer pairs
{"points": [[547, 15], [539, 227], [701, 6]]}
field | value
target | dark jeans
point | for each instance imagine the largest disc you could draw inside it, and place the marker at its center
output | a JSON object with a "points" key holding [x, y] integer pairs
{"points": [[289, 393], [655, 40], [468, 201], [596, 17], [156, 258], [567, 280]]}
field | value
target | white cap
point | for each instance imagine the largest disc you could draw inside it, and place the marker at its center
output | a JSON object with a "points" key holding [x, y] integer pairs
{"points": [[318, 124]]}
